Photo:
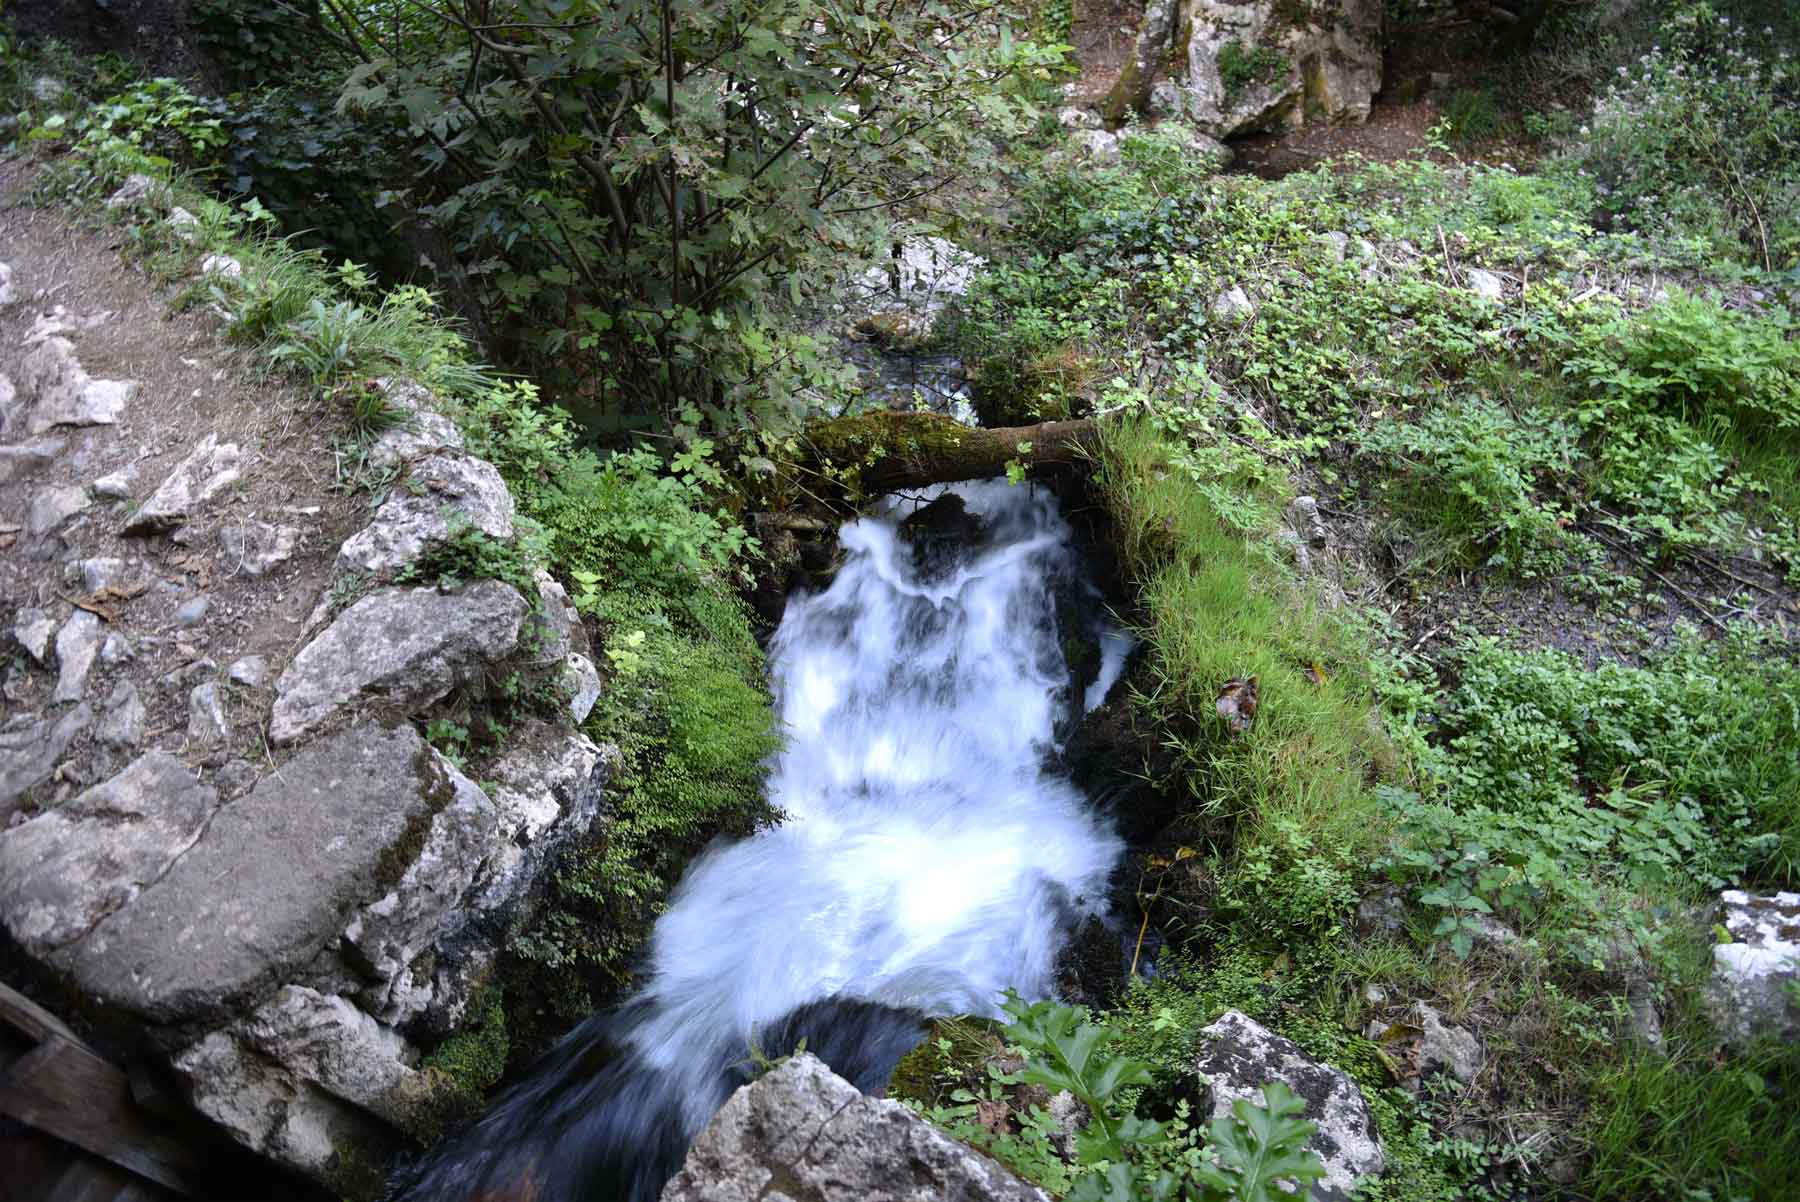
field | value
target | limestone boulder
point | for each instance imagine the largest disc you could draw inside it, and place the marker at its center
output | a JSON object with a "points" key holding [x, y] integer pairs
{"points": [[1239, 1056], [69, 868], [208, 470], [402, 647], [1752, 990], [1267, 65], [272, 882], [29, 750], [55, 391], [801, 1131], [441, 493]]}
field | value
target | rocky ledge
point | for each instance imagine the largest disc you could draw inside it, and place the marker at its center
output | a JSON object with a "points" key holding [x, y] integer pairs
{"points": [[221, 831]]}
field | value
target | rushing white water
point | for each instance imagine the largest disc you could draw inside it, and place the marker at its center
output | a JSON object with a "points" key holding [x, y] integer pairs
{"points": [[929, 858]]}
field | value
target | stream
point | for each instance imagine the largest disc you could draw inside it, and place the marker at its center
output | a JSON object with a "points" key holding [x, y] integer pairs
{"points": [[930, 858]]}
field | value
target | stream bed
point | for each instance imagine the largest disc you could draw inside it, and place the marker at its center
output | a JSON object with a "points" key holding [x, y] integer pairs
{"points": [[929, 859]]}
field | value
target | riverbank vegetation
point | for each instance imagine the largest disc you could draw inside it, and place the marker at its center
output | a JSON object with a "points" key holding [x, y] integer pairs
{"points": [[1458, 503]]}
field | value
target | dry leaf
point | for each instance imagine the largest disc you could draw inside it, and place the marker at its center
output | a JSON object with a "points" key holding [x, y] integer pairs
{"points": [[106, 602], [993, 1115], [1236, 704]]}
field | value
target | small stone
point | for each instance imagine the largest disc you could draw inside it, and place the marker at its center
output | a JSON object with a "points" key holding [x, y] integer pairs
{"points": [[1375, 995], [252, 548], [117, 485], [186, 225], [210, 468], [206, 717], [51, 507], [122, 726], [116, 650], [221, 265], [192, 611], [6, 284], [1099, 145], [1233, 305], [97, 574], [136, 189], [33, 628], [47, 89], [76, 645], [1445, 1047], [1307, 522], [581, 685], [1485, 284], [250, 671], [1077, 118]]}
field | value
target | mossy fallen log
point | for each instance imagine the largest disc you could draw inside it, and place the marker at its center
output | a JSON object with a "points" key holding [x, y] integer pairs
{"points": [[882, 452]]}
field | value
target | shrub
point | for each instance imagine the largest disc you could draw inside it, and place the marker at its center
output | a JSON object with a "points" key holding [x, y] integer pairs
{"points": [[1242, 67], [1471, 115]]}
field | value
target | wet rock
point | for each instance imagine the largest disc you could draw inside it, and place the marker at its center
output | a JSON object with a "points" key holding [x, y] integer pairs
{"points": [[941, 534], [1485, 284], [51, 507], [252, 548], [1446, 1048], [76, 645], [208, 470], [327, 833], [250, 671], [800, 1131], [1233, 305], [454, 490], [206, 717], [1239, 1056], [407, 647], [1751, 993], [30, 749], [65, 395], [122, 726], [33, 629], [66, 870], [192, 611], [23, 460]]}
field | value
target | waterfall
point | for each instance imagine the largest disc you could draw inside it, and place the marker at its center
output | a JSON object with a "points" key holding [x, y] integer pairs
{"points": [[929, 859]]}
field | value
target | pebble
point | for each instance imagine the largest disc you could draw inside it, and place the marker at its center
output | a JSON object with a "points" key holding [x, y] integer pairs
{"points": [[250, 671], [117, 486], [116, 650], [206, 717], [193, 610]]}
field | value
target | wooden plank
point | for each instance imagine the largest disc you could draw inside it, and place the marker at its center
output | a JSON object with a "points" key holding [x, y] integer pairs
{"points": [[38, 1024], [67, 1091], [30, 1161]]}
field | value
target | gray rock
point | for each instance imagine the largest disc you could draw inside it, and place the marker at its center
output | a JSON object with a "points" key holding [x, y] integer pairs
{"points": [[210, 468], [66, 870], [1329, 65], [1485, 284], [123, 725], [383, 938], [51, 507], [1304, 513], [274, 1113], [323, 1039], [1751, 993], [455, 489], [1382, 913], [252, 548], [322, 836], [186, 225], [1233, 305], [65, 395], [234, 779], [553, 630], [6, 284], [1074, 117], [1335, 242], [1446, 1048], [547, 789], [424, 431], [33, 628], [116, 486], [29, 752], [1239, 1056], [115, 650], [223, 266], [250, 671], [192, 611], [802, 1132], [206, 717], [138, 189], [407, 647], [76, 645], [101, 572], [1099, 146], [580, 686], [24, 460], [47, 89]]}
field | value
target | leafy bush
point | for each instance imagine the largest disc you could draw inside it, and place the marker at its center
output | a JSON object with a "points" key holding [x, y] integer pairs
{"points": [[1701, 139]]}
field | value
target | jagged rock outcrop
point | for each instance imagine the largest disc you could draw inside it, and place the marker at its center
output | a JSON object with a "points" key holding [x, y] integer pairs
{"points": [[801, 1131], [1239, 1056], [1751, 994], [1248, 65], [219, 822]]}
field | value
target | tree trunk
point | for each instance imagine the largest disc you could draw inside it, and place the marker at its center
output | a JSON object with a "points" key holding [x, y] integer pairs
{"points": [[883, 452]]}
